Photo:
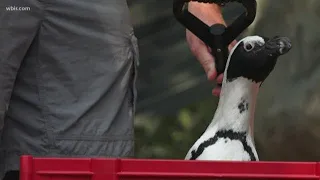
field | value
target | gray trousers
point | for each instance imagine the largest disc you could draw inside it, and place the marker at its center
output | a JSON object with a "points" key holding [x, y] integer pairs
{"points": [[67, 79]]}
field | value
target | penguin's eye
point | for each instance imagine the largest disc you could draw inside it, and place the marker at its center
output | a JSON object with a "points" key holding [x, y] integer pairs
{"points": [[248, 46]]}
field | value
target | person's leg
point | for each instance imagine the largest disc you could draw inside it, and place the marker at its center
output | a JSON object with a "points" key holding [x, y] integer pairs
{"points": [[19, 23], [86, 71], [74, 94]]}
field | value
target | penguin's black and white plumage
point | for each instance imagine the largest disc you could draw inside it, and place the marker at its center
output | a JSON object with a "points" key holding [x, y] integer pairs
{"points": [[229, 137]]}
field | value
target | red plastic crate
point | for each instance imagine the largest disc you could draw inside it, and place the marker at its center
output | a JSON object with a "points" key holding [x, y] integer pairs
{"points": [[143, 169]]}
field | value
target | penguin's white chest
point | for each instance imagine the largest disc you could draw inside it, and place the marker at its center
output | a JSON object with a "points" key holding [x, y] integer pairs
{"points": [[236, 147]]}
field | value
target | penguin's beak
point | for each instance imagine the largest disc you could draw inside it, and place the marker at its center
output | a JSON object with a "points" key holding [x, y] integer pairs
{"points": [[278, 45]]}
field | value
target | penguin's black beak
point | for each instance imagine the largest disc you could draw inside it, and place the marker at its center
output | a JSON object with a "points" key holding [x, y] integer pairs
{"points": [[278, 45]]}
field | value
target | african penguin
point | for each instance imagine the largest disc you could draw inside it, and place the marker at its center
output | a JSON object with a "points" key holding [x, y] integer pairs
{"points": [[228, 136]]}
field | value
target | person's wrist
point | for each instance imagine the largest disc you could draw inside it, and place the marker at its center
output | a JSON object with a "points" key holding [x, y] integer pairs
{"points": [[204, 5], [206, 12]]}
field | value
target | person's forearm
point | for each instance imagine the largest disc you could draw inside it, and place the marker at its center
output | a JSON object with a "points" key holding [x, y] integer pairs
{"points": [[208, 13]]}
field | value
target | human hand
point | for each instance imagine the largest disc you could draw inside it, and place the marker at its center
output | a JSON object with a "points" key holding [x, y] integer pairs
{"points": [[209, 14]]}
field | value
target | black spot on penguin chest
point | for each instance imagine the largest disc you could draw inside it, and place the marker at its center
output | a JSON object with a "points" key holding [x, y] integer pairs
{"points": [[243, 106], [240, 136]]}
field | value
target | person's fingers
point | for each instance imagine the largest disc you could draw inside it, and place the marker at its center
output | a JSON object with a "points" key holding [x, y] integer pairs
{"points": [[216, 91], [202, 54], [220, 79], [232, 44]]}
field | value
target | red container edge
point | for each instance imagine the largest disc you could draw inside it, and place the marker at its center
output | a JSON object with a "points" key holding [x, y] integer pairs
{"points": [[37, 168]]}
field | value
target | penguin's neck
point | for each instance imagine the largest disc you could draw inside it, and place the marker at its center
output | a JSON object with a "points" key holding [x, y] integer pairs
{"points": [[236, 106]]}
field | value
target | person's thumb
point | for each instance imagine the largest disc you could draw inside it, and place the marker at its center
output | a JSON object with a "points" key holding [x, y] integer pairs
{"points": [[207, 62]]}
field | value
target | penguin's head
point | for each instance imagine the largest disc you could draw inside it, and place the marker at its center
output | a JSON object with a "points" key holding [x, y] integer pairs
{"points": [[254, 57]]}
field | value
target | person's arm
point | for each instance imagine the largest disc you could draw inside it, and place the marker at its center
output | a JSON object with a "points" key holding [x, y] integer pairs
{"points": [[209, 14]]}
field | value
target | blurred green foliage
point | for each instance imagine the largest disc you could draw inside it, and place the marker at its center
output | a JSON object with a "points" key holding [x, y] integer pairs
{"points": [[171, 136]]}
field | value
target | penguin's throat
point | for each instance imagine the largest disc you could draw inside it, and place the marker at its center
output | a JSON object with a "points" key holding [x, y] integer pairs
{"points": [[236, 106]]}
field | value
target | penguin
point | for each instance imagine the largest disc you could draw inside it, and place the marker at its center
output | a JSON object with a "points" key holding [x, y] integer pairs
{"points": [[229, 136]]}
